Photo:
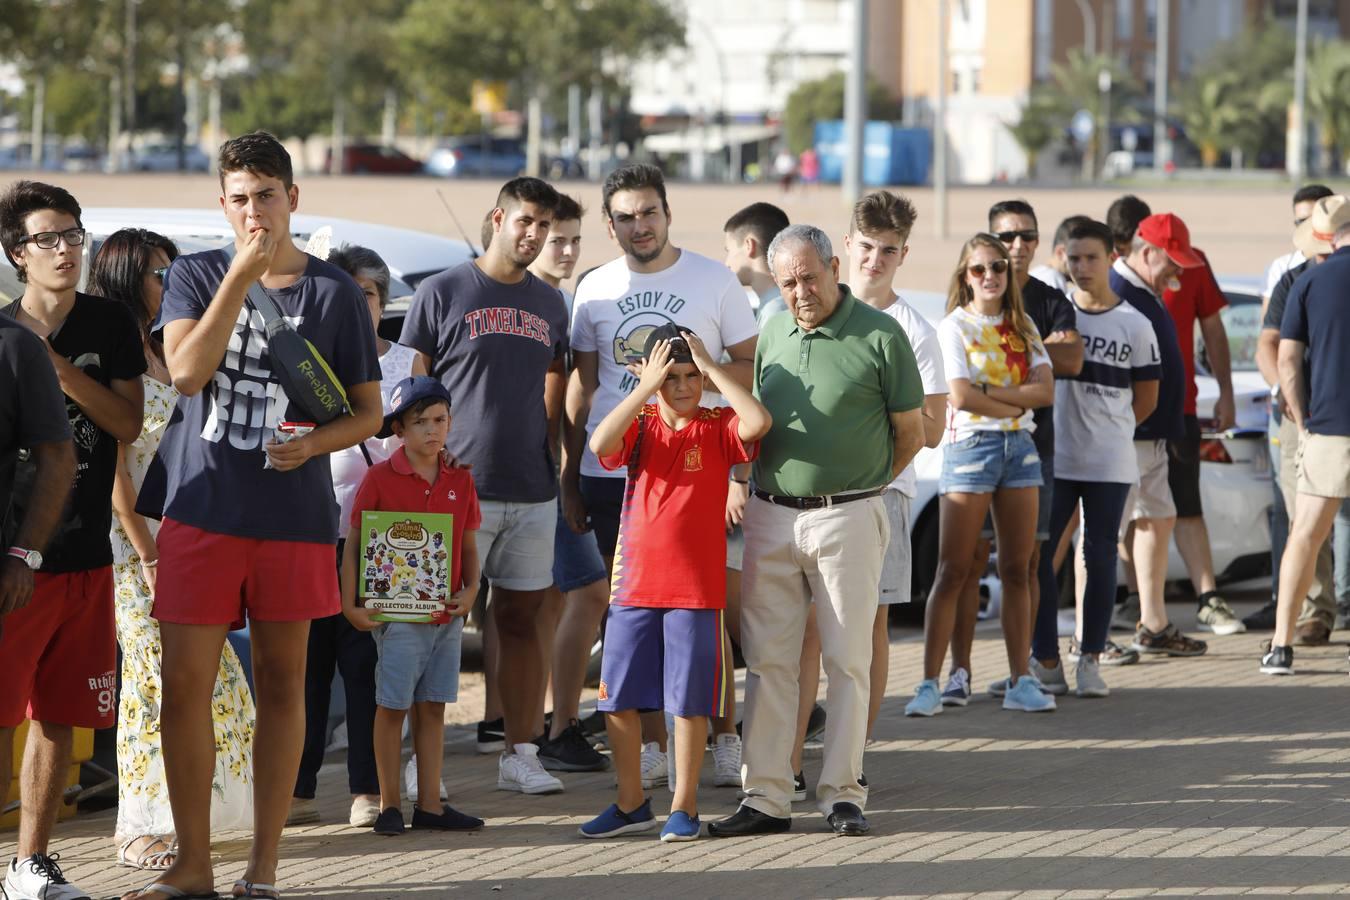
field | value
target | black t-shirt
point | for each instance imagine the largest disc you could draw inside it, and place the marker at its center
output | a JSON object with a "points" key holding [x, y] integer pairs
{"points": [[101, 339], [1279, 298], [1050, 311], [32, 408]]}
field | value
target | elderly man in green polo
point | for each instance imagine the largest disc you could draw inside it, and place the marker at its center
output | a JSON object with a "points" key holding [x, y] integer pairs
{"points": [[840, 380]]}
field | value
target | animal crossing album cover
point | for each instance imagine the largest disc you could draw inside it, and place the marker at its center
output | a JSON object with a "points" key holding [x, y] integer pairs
{"points": [[405, 565]]}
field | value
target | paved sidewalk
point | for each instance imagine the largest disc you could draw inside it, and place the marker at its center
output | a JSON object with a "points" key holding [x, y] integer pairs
{"points": [[1195, 777]]}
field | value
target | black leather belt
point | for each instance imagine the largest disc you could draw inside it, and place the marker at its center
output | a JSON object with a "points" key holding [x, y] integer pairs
{"points": [[816, 502]]}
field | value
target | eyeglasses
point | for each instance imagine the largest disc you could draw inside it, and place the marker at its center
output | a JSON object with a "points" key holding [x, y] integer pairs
{"points": [[159, 273], [48, 240], [1027, 236], [998, 267]]}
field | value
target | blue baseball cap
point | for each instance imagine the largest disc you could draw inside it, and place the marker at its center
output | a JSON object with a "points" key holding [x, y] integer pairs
{"points": [[406, 393]]}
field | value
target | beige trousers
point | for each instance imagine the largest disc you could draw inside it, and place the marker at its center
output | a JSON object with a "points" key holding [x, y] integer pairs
{"points": [[832, 557], [1321, 600]]}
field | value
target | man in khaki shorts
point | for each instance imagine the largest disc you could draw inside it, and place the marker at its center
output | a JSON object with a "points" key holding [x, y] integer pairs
{"points": [[1313, 369]]}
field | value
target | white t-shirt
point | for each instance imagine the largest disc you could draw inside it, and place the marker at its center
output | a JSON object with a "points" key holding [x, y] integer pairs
{"points": [[1053, 277], [923, 339], [349, 466], [616, 308], [986, 350], [1278, 267], [1094, 410]]}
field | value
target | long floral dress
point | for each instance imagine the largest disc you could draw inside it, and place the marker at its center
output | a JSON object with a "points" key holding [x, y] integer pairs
{"points": [[142, 796]]}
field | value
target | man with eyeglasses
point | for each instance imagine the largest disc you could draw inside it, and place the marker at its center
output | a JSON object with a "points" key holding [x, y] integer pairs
{"points": [[58, 653], [1014, 223]]}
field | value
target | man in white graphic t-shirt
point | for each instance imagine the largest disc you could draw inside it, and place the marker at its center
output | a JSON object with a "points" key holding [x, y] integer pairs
{"points": [[617, 305]]}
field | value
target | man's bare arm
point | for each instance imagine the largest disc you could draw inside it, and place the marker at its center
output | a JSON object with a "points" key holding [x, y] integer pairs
{"points": [[907, 435], [1292, 387], [1065, 349], [118, 408]]}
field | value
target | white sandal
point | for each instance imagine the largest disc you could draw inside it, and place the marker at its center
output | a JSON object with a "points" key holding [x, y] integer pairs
{"points": [[255, 889], [149, 859]]}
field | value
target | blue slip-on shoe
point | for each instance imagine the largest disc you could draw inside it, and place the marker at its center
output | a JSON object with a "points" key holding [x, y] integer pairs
{"points": [[680, 827], [1026, 696], [614, 822], [927, 699]]}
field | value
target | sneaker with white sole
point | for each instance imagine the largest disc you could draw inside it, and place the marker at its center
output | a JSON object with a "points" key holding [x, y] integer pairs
{"points": [[957, 691], [1089, 677], [1026, 696], [653, 765], [365, 810], [492, 736], [1052, 680], [726, 751], [927, 700], [38, 877], [521, 771], [410, 782], [1278, 661], [1215, 615]]}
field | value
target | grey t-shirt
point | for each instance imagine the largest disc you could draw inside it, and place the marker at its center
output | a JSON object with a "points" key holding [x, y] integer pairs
{"points": [[491, 344]]}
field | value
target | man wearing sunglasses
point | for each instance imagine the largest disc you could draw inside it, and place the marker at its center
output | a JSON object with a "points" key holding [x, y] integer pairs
{"points": [[57, 654]]}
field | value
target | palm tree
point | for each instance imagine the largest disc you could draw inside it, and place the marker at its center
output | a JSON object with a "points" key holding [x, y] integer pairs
{"points": [[1329, 97], [1042, 116], [1076, 83]]}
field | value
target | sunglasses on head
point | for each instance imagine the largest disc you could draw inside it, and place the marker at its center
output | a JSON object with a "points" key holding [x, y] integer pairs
{"points": [[998, 267], [1027, 236]]}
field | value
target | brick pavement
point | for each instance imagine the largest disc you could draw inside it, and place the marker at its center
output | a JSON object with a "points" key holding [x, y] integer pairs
{"points": [[1195, 777]]}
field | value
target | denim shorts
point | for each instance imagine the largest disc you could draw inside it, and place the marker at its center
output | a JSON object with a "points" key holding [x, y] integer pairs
{"points": [[576, 557], [417, 663], [989, 460]]}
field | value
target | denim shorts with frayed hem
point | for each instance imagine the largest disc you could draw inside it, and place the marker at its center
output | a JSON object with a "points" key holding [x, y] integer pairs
{"points": [[988, 460]]}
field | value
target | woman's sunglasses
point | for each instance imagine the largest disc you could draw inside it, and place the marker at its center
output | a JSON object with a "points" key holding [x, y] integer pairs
{"points": [[998, 267], [159, 273]]}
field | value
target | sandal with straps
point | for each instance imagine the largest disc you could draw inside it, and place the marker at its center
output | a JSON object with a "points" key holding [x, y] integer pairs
{"points": [[149, 859], [257, 890]]}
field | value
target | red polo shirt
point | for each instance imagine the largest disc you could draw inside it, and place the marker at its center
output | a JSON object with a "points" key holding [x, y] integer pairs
{"points": [[393, 486]]}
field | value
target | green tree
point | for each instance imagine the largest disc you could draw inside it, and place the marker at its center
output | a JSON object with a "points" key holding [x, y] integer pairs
{"points": [[1329, 98], [1076, 84], [1237, 97], [822, 100], [1041, 119], [45, 37]]}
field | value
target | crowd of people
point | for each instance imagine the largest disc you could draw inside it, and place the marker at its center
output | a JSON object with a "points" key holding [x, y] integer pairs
{"points": [[691, 453]]}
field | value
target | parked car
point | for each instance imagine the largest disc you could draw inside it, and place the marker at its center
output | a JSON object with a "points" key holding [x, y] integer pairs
{"points": [[163, 157], [475, 157], [361, 159]]}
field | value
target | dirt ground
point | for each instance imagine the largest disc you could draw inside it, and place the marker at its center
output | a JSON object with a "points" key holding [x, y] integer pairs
{"points": [[1241, 227]]}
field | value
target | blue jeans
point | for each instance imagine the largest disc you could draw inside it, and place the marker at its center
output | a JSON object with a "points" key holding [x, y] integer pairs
{"points": [[989, 460], [1103, 506]]}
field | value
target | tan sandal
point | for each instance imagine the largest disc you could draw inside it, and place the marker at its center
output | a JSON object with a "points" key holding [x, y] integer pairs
{"points": [[149, 858]]}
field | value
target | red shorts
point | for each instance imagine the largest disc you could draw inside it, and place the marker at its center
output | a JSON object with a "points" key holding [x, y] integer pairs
{"points": [[59, 653], [207, 578]]}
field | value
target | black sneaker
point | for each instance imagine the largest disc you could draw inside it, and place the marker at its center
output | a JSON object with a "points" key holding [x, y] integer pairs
{"points": [[816, 723], [1263, 619], [571, 752], [798, 788], [492, 736], [448, 819], [862, 780], [594, 725], [1278, 661], [389, 822]]}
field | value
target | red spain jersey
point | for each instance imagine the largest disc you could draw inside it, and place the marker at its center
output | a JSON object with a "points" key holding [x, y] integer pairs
{"points": [[672, 548]]}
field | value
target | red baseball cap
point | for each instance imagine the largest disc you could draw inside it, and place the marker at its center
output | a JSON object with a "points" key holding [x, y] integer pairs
{"points": [[1170, 234]]}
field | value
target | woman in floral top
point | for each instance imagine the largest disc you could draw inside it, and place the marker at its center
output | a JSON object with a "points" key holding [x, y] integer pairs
{"points": [[998, 372], [129, 268]]}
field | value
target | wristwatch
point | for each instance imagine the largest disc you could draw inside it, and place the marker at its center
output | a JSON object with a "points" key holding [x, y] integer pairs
{"points": [[31, 558]]}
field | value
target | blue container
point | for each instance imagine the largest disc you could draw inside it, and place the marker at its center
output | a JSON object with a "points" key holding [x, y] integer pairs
{"points": [[891, 154]]}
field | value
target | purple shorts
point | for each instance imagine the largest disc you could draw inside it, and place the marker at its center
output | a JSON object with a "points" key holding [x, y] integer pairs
{"points": [[667, 659]]}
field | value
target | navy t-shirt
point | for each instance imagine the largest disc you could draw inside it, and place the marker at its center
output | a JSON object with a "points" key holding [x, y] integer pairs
{"points": [[1316, 314], [1167, 421], [100, 338], [1050, 311], [491, 344], [212, 451]]}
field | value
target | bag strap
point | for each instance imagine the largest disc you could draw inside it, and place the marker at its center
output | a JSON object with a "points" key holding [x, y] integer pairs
{"points": [[366, 453], [637, 447], [256, 296]]}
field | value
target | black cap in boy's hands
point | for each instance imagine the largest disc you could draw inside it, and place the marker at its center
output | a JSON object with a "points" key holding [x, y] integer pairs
{"points": [[679, 347]]}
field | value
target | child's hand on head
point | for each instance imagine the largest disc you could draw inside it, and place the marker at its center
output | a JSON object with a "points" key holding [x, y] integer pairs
{"points": [[699, 351], [656, 368]]}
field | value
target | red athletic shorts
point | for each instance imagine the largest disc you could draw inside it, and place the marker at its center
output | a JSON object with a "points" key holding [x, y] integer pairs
{"points": [[206, 578], [58, 653]]}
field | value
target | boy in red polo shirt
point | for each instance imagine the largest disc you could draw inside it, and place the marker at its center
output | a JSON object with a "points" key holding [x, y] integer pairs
{"points": [[663, 637], [418, 663]]}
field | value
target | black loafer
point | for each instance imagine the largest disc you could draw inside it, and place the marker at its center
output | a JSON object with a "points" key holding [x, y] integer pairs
{"points": [[389, 821], [448, 819], [747, 821], [847, 820]]}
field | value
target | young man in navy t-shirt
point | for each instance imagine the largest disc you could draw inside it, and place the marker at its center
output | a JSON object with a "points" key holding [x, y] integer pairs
{"points": [[240, 538]]}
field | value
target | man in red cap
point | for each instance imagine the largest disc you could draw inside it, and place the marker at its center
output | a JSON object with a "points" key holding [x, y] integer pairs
{"points": [[1161, 249]]}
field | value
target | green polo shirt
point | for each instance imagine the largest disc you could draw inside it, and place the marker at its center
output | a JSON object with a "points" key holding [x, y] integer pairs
{"points": [[830, 391]]}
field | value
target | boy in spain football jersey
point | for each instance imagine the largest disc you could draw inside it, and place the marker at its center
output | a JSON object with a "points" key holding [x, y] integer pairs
{"points": [[663, 638]]}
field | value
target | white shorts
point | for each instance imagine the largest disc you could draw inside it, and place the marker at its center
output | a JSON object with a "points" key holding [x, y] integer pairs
{"points": [[1151, 496], [515, 543], [898, 563]]}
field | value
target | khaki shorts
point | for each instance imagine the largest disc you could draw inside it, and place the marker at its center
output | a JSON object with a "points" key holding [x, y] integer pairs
{"points": [[1324, 465], [1151, 496]]}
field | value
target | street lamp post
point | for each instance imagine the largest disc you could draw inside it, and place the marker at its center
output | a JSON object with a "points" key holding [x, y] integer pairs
{"points": [[1296, 164]]}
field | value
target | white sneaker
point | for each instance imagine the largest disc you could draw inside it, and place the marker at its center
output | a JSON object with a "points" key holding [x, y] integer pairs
{"points": [[1052, 680], [670, 762], [39, 878], [522, 771], [365, 810], [1089, 677], [410, 783], [653, 765], [727, 760]]}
